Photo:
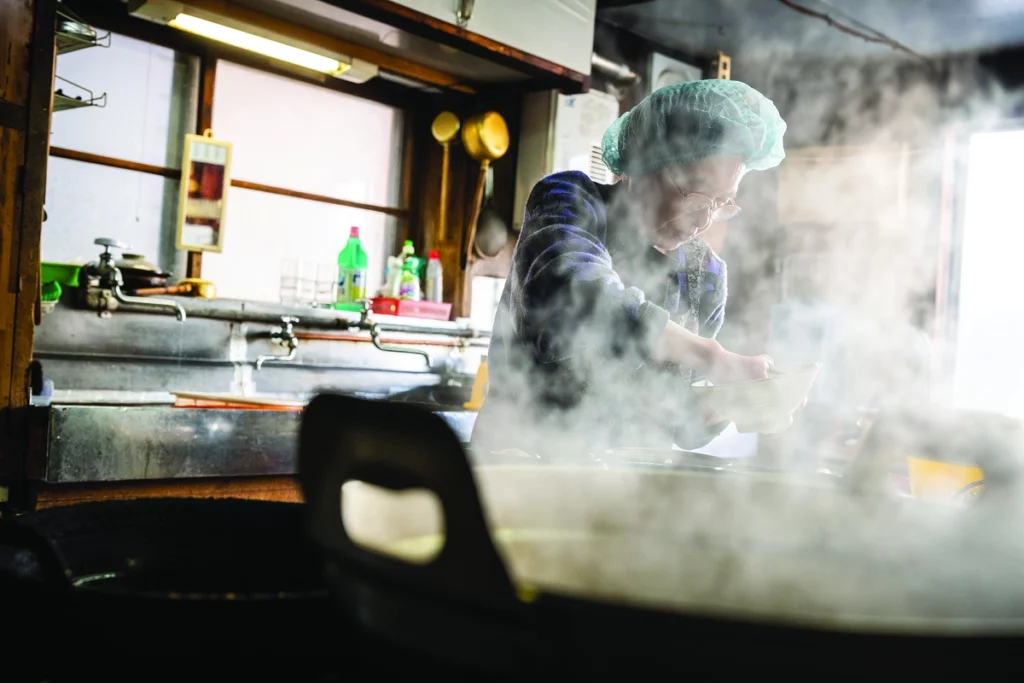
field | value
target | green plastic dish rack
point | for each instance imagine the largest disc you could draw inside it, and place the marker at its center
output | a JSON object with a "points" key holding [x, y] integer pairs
{"points": [[62, 273]]}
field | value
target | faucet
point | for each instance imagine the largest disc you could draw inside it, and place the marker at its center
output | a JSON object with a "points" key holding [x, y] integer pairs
{"points": [[285, 336], [366, 322], [110, 279]]}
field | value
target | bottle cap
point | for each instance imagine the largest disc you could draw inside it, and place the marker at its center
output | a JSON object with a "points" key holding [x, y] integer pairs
{"points": [[408, 243], [434, 256], [354, 232]]}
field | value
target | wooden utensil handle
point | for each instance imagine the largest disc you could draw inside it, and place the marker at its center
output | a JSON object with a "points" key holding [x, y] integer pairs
{"points": [[443, 209], [474, 214], [150, 291]]}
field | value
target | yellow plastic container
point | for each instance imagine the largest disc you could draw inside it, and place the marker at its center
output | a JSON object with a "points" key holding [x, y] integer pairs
{"points": [[480, 387], [934, 480]]}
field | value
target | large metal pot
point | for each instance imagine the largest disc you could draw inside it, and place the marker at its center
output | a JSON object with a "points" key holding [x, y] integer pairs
{"points": [[588, 567], [130, 573]]}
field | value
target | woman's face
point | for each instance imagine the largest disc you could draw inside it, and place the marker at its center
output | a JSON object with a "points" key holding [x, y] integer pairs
{"points": [[671, 208]]}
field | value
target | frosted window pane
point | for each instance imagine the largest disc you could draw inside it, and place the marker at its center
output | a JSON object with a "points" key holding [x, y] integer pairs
{"points": [[86, 201], [303, 137], [262, 229], [150, 102], [990, 331]]}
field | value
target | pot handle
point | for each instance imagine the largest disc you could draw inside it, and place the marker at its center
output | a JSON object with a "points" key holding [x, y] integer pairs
{"points": [[19, 537], [398, 447]]}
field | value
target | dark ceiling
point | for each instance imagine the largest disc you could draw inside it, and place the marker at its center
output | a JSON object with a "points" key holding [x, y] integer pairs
{"points": [[769, 29]]}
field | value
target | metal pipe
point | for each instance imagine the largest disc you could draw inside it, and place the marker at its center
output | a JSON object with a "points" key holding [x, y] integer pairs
{"points": [[317, 319], [293, 346], [165, 304], [446, 343], [614, 70], [375, 338]]}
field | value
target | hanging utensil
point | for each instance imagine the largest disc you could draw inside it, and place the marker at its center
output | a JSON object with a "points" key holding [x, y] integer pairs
{"points": [[203, 289], [491, 231], [486, 139], [445, 128]]}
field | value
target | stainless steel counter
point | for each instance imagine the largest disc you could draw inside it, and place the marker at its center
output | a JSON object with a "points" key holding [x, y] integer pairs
{"points": [[144, 353], [93, 443]]}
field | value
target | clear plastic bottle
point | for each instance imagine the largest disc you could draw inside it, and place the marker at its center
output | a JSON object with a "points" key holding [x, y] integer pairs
{"points": [[435, 278], [392, 275], [352, 262]]}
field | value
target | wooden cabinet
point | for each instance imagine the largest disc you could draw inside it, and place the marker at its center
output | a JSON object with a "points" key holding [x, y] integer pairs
{"points": [[560, 31]]}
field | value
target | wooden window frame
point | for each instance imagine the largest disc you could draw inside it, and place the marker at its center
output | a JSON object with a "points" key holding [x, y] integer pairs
{"points": [[209, 54]]}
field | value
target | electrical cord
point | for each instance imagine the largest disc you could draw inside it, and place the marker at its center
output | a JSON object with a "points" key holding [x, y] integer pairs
{"points": [[873, 37]]}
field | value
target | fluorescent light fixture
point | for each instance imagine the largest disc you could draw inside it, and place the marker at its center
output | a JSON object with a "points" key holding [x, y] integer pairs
{"points": [[254, 43]]}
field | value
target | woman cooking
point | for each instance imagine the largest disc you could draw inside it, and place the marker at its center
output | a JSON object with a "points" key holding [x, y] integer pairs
{"points": [[613, 301]]}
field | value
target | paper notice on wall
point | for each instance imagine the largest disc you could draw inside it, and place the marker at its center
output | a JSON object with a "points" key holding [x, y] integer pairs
{"points": [[198, 235]]}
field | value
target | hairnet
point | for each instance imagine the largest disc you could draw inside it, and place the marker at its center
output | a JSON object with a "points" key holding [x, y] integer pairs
{"points": [[686, 122]]}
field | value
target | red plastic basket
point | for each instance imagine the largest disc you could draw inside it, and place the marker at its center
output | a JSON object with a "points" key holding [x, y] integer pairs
{"points": [[411, 309]]}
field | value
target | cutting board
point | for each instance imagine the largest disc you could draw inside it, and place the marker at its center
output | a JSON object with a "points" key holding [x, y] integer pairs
{"points": [[189, 399]]}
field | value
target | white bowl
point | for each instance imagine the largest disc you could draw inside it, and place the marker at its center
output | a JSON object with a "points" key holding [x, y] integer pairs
{"points": [[763, 404]]}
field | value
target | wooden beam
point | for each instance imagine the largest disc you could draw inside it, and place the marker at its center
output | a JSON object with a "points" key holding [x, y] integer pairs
{"points": [[100, 160], [111, 15], [284, 192], [207, 84], [26, 79], [175, 174], [398, 65], [204, 122], [13, 116], [430, 28]]}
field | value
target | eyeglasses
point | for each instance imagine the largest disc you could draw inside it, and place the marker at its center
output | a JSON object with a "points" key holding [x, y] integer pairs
{"points": [[718, 209]]}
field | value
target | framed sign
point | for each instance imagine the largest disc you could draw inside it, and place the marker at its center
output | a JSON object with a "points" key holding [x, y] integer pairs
{"points": [[205, 177]]}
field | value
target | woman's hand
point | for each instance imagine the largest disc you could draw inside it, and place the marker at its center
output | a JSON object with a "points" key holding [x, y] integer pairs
{"points": [[726, 367], [707, 357]]}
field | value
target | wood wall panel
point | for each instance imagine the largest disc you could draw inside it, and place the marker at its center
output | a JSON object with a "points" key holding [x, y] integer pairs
{"points": [[27, 58]]}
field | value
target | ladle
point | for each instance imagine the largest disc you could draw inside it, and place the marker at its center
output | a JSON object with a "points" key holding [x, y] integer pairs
{"points": [[444, 128], [486, 139]]}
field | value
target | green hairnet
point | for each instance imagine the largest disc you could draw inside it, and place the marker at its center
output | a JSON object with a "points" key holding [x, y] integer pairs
{"points": [[686, 122]]}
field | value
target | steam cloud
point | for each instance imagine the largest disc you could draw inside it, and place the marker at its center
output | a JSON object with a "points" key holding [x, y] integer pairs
{"points": [[870, 249]]}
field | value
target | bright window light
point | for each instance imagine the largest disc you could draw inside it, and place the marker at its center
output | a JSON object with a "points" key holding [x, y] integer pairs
{"points": [[263, 46], [989, 375]]}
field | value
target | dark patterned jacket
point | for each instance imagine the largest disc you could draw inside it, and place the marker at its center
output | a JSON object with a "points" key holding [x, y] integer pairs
{"points": [[586, 298]]}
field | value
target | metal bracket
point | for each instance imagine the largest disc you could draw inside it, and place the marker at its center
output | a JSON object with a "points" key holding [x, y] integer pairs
{"points": [[464, 12], [722, 67]]}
